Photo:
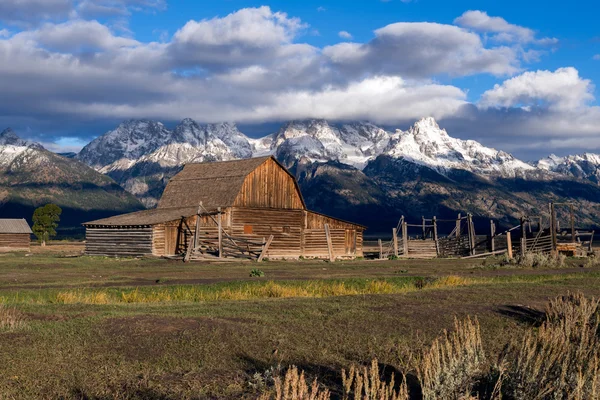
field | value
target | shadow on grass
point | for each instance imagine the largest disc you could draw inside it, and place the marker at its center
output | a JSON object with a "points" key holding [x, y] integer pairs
{"points": [[523, 314]]}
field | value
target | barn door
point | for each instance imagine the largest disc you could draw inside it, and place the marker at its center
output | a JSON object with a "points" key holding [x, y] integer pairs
{"points": [[171, 240], [350, 241]]}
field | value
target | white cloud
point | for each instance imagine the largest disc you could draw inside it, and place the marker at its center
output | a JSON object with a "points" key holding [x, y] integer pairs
{"points": [[4, 33], [75, 36], [562, 89], [422, 50], [321, 9], [345, 35], [248, 36], [503, 31], [596, 57]]}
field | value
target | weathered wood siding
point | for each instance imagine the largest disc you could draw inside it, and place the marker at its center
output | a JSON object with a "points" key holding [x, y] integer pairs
{"points": [[285, 225], [269, 186], [15, 241], [106, 241], [346, 237]]}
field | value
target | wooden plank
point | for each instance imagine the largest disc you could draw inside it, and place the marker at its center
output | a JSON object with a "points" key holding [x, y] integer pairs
{"points": [[405, 238], [395, 239], [329, 244], [509, 245], [265, 249]]}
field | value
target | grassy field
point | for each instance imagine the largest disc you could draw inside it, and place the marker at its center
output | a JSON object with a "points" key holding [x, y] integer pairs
{"points": [[95, 328]]}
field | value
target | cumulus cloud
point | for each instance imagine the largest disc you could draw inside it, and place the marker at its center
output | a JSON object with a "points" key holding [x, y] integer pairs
{"points": [[422, 50], [503, 31], [248, 36], [28, 13], [562, 89], [345, 35], [252, 66]]}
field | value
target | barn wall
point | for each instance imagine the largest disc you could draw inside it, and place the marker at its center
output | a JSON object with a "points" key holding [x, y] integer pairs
{"points": [[112, 241], [346, 237], [284, 225], [15, 241], [269, 186], [178, 233]]}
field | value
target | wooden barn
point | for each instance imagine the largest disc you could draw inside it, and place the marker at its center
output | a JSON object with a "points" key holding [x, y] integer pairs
{"points": [[15, 235], [243, 208]]}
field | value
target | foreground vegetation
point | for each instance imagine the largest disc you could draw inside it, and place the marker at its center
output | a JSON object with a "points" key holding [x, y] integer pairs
{"points": [[471, 331]]}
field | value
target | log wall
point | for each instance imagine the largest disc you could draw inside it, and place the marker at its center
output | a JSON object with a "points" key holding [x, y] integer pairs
{"points": [[286, 226], [269, 186], [15, 241], [111, 241]]}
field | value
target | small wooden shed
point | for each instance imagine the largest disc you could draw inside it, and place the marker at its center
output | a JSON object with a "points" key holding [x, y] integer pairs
{"points": [[242, 201], [15, 235]]}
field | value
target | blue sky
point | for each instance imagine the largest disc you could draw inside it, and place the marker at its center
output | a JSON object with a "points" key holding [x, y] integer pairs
{"points": [[516, 75]]}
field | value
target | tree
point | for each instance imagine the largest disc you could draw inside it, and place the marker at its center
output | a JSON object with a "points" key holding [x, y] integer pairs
{"points": [[45, 222]]}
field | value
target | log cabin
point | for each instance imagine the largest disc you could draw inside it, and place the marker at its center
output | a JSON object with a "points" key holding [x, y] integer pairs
{"points": [[15, 235], [244, 201]]}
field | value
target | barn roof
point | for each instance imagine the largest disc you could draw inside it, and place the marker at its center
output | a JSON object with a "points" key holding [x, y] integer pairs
{"points": [[14, 226], [146, 217], [215, 184]]}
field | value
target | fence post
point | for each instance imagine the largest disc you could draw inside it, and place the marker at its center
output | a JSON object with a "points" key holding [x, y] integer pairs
{"points": [[435, 236], [220, 233], [523, 246], [492, 234], [458, 226], [509, 245], [380, 249], [395, 238], [405, 239], [424, 230], [553, 227], [470, 234], [572, 217]]}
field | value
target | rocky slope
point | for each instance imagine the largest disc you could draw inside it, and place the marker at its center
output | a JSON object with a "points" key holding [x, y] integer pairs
{"points": [[583, 166], [31, 176]]}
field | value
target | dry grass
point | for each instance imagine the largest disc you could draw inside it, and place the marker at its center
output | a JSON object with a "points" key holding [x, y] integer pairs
{"points": [[10, 319], [295, 387], [365, 383], [541, 260], [449, 369], [561, 360]]}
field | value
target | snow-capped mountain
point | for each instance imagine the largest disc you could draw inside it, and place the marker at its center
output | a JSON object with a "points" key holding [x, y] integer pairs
{"points": [[425, 143], [12, 147], [143, 155], [31, 176], [317, 140], [582, 166]]}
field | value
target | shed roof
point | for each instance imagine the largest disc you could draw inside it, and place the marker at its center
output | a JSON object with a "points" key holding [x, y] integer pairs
{"points": [[14, 226], [146, 217]]}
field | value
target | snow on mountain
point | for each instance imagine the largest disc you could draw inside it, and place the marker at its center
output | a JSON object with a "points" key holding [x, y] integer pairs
{"points": [[581, 166], [425, 143], [13, 147], [317, 140]]}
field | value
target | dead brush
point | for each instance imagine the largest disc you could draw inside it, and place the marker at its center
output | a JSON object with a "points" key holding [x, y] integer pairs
{"points": [[453, 363], [10, 319], [365, 383], [295, 387], [560, 360], [541, 260]]}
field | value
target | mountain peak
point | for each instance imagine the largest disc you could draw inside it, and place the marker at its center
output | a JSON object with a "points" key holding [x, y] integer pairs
{"points": [[9, 137]]}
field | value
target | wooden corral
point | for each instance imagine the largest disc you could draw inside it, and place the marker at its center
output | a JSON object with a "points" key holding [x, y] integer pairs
{"points": [[15, 235], [246, 208]]}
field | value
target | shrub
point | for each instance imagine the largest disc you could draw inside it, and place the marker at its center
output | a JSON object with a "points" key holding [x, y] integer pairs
{"points": [[560, 360], [393, 257], [451, 367], [365, 383], [256, 273]]}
